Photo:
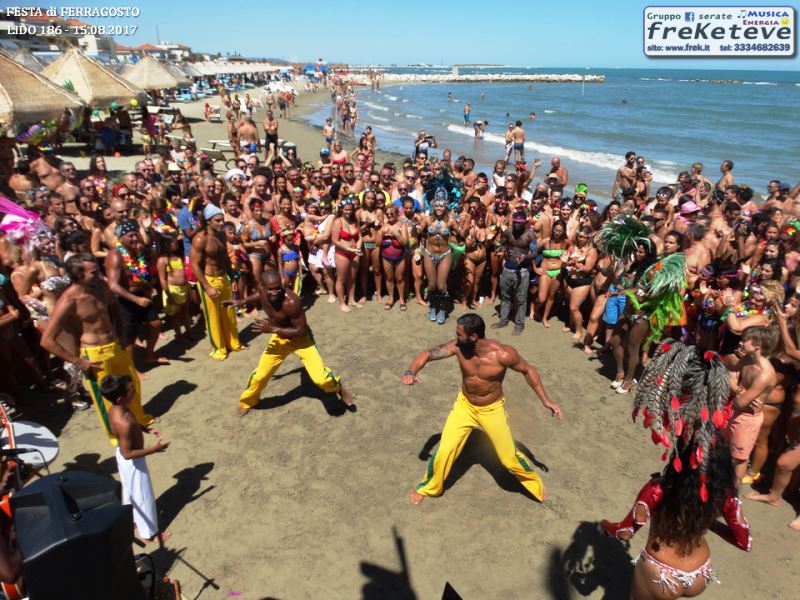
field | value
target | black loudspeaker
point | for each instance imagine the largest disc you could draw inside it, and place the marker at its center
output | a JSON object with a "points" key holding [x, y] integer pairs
{"points": [[75, 537]]}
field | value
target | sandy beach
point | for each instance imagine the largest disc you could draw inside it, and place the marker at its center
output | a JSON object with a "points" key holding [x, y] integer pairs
{"points": [[302, 500]]}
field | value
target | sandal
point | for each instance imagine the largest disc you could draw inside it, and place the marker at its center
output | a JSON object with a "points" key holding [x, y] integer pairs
{"points": [[388, 306], [403, 307]]}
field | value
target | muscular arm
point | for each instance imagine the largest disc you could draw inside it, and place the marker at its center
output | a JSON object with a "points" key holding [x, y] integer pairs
{"points": [[510, 358], [297, 317], [198, 262], [433, 353]]}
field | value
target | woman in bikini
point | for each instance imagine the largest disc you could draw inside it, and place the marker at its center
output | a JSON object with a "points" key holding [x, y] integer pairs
{"points": [[257, 238], [550, 270], [436, 229], [629, 324], [289, 261], [413, 221], [346, 237], [475, 257], [339, 156], [698, 484], [370, 219], [392, 239], [579, 276], [102, 218], [497, 221]]}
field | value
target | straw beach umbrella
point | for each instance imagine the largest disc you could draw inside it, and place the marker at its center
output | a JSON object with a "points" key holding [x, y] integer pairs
{"points": [[181, 77], [94, 83], [27, 60], [149, 74], [26, 97]]}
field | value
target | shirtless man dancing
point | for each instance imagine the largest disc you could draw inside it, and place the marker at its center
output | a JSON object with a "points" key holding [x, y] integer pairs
{"points": [[90, 310], [480, 403], [289, 334]]}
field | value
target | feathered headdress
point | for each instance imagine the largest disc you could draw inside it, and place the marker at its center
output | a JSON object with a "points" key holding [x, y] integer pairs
{"points": [[620, 237], [444, 187], [683, 398], [21, 226], [662, 284]]}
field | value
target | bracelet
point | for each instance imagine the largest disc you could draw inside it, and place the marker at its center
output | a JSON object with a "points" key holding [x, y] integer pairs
{"points": [[410, 372]]}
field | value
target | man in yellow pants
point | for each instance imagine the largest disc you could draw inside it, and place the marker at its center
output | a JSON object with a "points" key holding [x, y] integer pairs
{"points": [[89, 302], [211, 267], [290, 334], [480, 403]]}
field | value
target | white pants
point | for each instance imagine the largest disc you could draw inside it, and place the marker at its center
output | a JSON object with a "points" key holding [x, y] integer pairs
{"points": [[138, 492]]}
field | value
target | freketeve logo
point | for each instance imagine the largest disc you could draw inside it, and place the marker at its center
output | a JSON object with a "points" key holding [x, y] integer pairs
{"points": [[719, 31]]}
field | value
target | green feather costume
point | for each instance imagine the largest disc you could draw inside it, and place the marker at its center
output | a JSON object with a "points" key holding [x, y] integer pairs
{"points": [[663, 284]]}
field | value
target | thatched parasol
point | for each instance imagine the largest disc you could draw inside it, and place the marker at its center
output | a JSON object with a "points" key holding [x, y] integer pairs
{"points": [[26, 97], [149, 74], [91, 81]]}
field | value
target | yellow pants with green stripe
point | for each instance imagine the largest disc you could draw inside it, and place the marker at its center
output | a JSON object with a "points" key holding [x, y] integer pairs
{"points": [[274, 354], [220, 320], [493, 420], [115, 361]]}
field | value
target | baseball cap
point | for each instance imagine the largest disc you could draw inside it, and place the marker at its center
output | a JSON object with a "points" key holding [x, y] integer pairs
{"points": [[324, 151]]}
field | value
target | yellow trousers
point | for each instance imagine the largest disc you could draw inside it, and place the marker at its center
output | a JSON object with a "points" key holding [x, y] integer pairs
{"points": [[274, 354], [494, 421], [220, 320], [115, 361]]}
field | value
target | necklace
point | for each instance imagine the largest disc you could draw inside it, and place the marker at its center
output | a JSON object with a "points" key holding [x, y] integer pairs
{"points": [[137, 268]]}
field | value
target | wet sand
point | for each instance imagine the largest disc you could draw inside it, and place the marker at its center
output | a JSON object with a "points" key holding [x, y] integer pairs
{"points": [[302, 500]]}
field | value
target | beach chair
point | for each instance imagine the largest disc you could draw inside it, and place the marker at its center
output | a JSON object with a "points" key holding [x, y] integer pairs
{"points": [[216, 156]]}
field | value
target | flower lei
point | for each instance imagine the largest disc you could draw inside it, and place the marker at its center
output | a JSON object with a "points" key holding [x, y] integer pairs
{"points": [[164, 225], [138, 268]]}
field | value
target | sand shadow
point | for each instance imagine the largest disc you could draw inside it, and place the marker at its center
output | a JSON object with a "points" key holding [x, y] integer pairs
{"points": [[184, 491], [478, 449], [91, 462], [247, 335], [330, 402], [592, 560], [164, 558], [385, 584], [162, 402]]}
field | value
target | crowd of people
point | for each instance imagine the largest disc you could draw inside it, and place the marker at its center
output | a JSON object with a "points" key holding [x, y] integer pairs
{"points": [[710, 263]]}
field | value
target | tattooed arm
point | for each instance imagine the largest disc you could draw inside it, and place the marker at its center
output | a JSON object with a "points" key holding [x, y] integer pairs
{"points": [[433, 353]]}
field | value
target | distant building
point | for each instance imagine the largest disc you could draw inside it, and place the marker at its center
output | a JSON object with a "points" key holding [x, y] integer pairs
{"points": [[176, 52]]}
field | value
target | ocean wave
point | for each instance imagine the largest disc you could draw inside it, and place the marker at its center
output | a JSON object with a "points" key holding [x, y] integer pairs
{"points": [[548, 111], [604, 160], [392, 98], [377, 118], [376, 106], [396, 130], [410, 116], [758, 83], [405, 99]]}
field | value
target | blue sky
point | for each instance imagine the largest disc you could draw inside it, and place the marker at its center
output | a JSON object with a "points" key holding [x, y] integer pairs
{"points": [[578, 33]]}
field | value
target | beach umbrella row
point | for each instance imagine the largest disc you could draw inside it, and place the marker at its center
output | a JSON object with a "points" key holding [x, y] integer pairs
{"points": [[149, 74]]}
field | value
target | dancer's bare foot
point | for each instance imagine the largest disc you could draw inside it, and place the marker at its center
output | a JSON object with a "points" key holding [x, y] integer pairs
{"points": [[345, 308], [242, 411], [420, 301], [565, 329], [415, 497], [142, 376], [795, 524], [577, 335], [161, 537], [546, 323], [331, 299], [588, 350], [156, 360], [765, 498], [346, 396]]}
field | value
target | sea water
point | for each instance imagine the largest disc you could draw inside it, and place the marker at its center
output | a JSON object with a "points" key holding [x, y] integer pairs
{"points": [[671, 117]]}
